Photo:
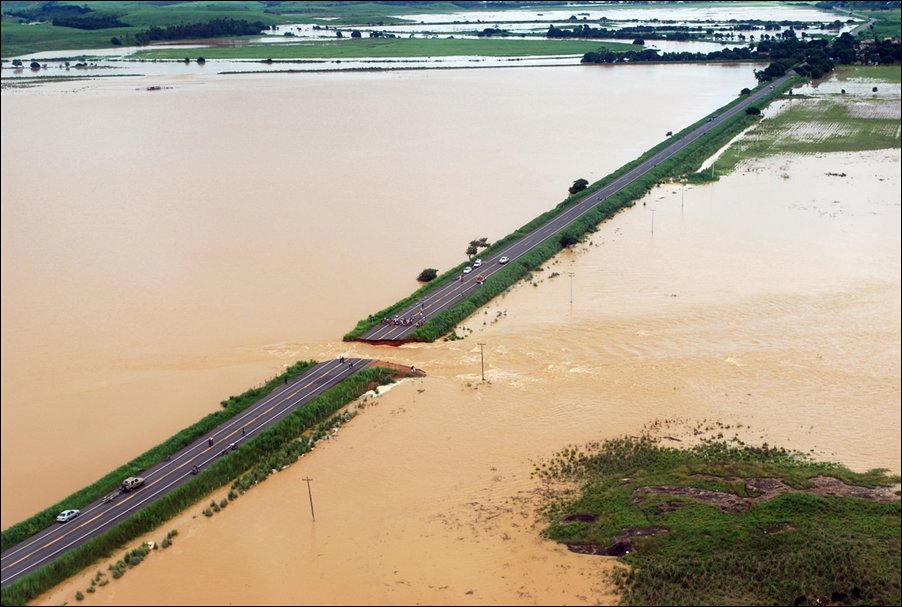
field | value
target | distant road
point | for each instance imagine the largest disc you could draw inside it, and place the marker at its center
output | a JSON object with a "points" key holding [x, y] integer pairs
{"points": [[451, 293], [99, 517]]}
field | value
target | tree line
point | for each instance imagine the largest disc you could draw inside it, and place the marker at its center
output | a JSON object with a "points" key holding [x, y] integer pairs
{"points": [[651, 32], [812, 58], [205, 29]]}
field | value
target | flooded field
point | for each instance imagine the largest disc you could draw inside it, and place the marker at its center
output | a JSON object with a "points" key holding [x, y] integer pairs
{"points": [[150, 272], [426, 496]]}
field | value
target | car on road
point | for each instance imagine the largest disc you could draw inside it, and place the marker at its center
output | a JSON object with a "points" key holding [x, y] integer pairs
{"points": [[467, 270], [477, 263], [132, 482], [504, 259], [67, 515]]}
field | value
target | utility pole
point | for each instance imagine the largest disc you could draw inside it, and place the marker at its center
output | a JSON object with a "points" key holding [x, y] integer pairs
{"points": [[310, 495], [482, 359], [571, 275]]}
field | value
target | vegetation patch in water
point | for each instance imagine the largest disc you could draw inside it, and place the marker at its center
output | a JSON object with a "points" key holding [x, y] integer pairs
{"points": [[725, 523]]}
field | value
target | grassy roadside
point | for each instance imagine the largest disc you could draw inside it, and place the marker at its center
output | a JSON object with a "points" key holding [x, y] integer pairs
{"points": [[678, 167], [713, 525], [230, 408], [275, 448]]}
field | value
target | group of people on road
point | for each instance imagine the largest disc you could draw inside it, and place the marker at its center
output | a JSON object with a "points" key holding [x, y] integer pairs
{"points": [[417, 319]]}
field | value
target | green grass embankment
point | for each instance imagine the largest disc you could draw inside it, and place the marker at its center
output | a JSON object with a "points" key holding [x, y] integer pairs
{"points": [[273, 449], [679, 166], [110, 482], [710, 525]]}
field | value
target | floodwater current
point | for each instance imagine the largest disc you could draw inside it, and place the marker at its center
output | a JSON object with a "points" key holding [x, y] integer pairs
{"points": [[162, 250]]}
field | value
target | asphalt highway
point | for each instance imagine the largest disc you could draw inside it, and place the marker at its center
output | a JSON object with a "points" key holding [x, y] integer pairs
{"points": [[97, 518], [399, 330]]}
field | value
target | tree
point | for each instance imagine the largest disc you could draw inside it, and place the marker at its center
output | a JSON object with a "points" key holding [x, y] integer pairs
{"points": [[427, 275], [355, 34], [578, 186], [338, 34], [639, 41], [201, 61], [669, 133], [115, 41], [35, 65], [752, 111], [17, 63], [745, 91], [475, 245]]}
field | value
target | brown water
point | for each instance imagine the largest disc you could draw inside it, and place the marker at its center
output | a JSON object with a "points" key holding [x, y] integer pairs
{"points": [[426, 497], [770, 299], [163, 250]]}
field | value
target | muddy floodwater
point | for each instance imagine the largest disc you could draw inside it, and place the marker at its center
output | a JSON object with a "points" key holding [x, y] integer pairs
{"points": [[209, 234], [165, 249], [769, 300]]}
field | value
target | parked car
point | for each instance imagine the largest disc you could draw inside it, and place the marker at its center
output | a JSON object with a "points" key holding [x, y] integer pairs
{"points": [[477, 263], [504, 259], [467, 270], [67, 515]]}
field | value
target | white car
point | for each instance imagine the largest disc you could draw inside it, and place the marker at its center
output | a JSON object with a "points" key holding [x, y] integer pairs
{"points": [[504, 259], [467, 270], [67, 515], [477, 263], [132, 482]]}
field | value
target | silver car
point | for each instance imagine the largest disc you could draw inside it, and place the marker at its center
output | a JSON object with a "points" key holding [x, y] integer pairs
{"points": [[67, 515]]}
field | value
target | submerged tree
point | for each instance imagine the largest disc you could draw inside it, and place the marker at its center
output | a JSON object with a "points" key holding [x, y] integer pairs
{"points": [[578, 186], [427, 275]]}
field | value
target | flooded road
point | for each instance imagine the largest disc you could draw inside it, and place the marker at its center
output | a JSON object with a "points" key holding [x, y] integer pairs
{"points": [[426, 497], [164, 250]]}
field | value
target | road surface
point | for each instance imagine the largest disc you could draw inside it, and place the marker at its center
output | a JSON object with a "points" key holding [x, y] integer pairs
{"points": [[398, 329], [101, 516]]}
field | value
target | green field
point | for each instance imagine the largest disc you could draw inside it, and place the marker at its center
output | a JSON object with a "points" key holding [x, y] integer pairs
{"points": [[20, 39], [891, 74], [712, 525], [887, 24], [826, 123], [392, 47]]}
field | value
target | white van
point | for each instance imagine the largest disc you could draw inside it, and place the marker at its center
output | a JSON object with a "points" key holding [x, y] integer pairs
{"points": [[132, 482]]}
